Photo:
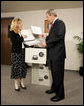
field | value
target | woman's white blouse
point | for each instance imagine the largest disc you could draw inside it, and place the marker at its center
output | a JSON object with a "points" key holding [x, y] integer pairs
{"points": [[22, 42]]}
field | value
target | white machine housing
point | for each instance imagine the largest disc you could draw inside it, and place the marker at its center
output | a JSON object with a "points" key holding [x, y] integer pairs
{"points": [[41, 75], [35, 55]]}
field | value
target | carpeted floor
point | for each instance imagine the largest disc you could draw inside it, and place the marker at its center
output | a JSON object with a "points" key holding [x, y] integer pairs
{"points": [[35, 94]]}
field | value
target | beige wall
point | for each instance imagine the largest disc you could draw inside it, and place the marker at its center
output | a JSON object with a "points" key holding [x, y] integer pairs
{"points": [[73, 19]]}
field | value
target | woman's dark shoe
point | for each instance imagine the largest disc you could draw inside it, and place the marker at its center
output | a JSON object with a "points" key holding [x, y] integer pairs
{"points": [[23, 87], [17, 89]]}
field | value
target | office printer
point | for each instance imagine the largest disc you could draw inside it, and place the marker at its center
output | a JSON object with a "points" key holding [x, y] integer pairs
{"points": [[37, 56]]}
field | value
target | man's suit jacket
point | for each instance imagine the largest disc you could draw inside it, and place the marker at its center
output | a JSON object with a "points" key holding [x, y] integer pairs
{"points": [[56, 41]]}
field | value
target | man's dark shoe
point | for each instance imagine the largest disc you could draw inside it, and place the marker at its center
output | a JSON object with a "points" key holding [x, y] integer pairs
{"points": [[49, 91], [56, 98]]}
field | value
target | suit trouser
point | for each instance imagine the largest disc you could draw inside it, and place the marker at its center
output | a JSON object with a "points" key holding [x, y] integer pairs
{"points": [[57, 71]]}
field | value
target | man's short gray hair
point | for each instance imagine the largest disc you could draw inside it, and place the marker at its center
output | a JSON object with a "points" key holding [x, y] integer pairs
{"points": [[51, 12]]}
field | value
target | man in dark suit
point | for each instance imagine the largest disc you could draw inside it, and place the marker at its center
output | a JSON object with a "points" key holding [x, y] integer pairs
{"points": [[55, 44]]}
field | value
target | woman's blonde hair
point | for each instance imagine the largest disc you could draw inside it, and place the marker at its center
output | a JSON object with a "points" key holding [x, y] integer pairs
{"points": [[14, 24]]}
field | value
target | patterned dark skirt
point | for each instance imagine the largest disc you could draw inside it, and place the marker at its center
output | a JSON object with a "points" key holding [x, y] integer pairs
{"points": [[18, 68]]}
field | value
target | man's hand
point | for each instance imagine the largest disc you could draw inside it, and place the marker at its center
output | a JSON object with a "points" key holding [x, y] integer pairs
{"points": [[44, 36], [44, 44], [24, 36]]}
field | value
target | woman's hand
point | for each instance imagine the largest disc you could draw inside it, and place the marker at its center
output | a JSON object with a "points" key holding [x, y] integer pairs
{"points": [[24, 36]]}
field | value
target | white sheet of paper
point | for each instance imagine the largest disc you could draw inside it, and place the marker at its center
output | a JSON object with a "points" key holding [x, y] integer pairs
{"points": [[29, 35], [36, 30], [31, 43]]}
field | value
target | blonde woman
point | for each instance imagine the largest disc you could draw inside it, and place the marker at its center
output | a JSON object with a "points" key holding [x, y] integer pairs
{"points": [[18, 68]]}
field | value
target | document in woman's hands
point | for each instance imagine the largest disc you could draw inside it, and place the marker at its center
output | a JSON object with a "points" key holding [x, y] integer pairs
{"points": [[29, 35]]}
